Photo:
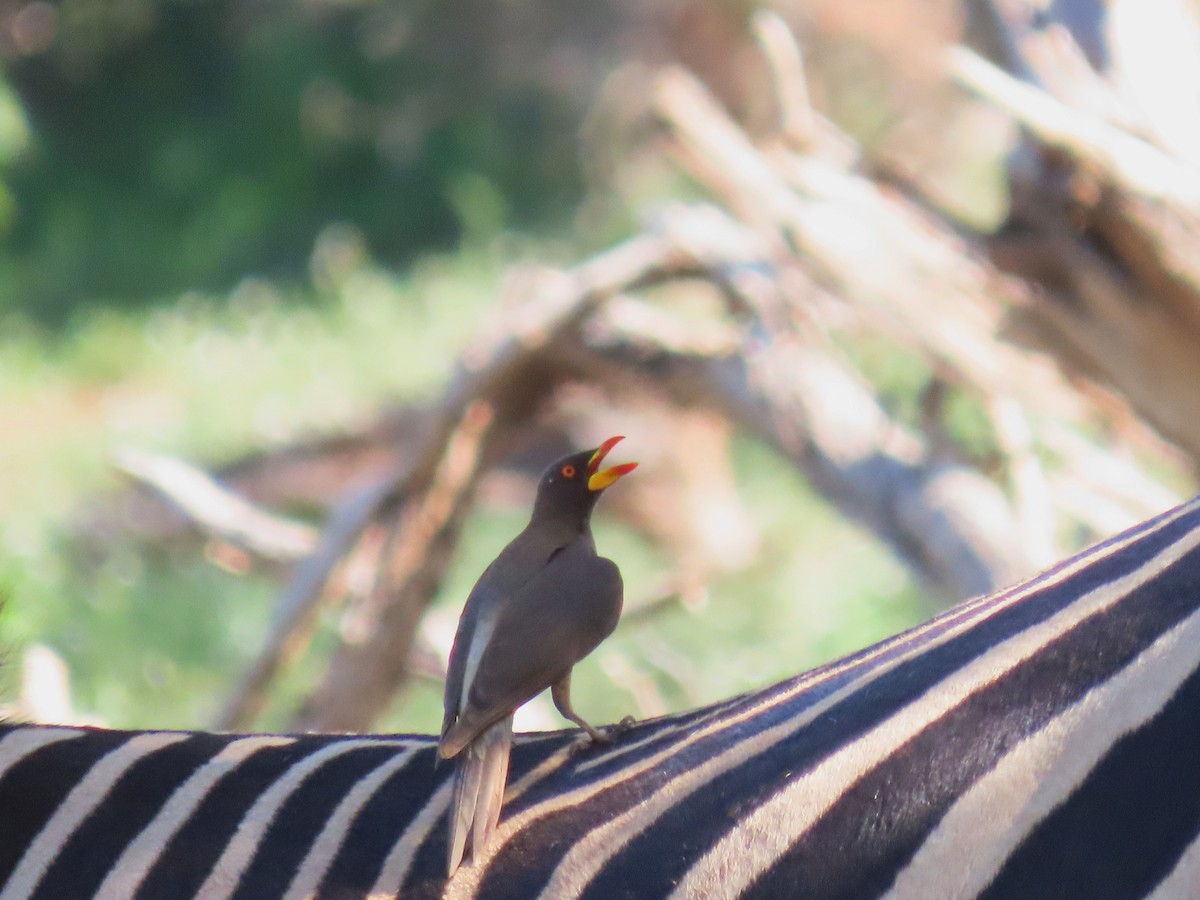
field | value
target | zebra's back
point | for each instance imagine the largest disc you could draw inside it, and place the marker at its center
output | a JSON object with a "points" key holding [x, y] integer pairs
{"points": [[1040, 742]]}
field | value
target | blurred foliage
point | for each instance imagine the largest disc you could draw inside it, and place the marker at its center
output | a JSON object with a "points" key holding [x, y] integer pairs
{"points": [[158, 146], [227, 225], [149, 147]]}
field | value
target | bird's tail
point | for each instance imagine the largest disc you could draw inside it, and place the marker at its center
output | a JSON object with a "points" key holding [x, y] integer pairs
{"points": [[479, 791]]}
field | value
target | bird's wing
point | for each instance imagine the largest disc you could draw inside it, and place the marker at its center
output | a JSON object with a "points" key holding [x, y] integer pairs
{"points": [[498, 580], [458, 660], [454, 677], [549, 624]]}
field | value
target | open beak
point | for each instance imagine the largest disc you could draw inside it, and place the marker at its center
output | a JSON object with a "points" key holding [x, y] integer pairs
{"points": [[599, 479]]}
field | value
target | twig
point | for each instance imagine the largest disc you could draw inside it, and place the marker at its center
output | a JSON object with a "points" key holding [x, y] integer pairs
{"points": [[796, 117], [215, 508], [1126, 160]]}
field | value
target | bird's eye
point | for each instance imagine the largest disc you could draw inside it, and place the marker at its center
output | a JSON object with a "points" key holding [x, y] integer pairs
{"points": [[568, 471]]}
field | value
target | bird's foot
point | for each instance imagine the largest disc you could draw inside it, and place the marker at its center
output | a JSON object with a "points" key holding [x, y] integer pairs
{"points": [[607, 735], [597, 736]]}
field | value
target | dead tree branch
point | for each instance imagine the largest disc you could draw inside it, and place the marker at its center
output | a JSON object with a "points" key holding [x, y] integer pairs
{"points": [[1105, 190], [296, 606], [499, 371], [216, 509], [372, 658], [950, 525]]}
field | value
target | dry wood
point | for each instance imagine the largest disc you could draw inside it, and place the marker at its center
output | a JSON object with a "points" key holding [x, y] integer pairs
{"points": [[372, 658], [296, 607], [950, 525], [1109, 216], [1127, 160], [216, 509], [923, 282]]}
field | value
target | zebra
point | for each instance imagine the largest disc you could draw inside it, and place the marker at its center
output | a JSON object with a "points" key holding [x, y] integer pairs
{"points": [[1043, 741]]}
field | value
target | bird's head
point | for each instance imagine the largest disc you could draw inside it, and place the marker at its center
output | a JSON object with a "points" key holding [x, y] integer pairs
{"points": [[570, 487]]}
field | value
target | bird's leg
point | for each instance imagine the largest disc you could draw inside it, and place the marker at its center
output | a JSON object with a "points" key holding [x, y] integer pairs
{"points": [[561, 694]]}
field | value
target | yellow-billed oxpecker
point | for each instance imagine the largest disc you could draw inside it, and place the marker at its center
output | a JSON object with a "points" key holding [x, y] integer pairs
{"points": [[545, 603]]}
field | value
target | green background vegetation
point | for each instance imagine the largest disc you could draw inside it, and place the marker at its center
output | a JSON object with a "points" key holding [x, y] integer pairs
{"points": [[225, 227]]}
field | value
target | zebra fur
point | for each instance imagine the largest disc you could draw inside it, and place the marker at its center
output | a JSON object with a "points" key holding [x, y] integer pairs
{"points": [[1043, 741]]}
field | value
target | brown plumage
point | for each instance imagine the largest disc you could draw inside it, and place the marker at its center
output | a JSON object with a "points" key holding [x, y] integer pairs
{"points": [[545, 603]]}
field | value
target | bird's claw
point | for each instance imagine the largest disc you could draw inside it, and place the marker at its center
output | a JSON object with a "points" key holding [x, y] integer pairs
{"points": [[607, 735], [598, 736]]}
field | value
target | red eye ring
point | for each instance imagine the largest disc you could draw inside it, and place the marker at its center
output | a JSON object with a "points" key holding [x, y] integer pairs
{"points": [[568, 471]]}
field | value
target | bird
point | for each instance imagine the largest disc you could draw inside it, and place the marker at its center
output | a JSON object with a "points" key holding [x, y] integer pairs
{"points": [[541, 606]]}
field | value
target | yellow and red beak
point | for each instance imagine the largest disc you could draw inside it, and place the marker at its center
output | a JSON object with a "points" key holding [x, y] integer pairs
{"points": [[599, 479]]}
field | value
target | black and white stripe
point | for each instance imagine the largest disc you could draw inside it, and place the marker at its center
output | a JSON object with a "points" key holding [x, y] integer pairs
{"points": [[1040, 742]]}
